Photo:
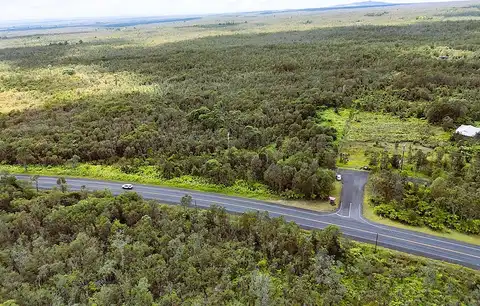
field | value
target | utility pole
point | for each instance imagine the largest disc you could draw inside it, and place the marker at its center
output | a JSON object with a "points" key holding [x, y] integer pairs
{"points": [[403, 155], [376, 243]]}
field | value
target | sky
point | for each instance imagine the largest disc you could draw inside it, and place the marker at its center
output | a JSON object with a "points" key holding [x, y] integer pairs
{"points": [[64, 9]]}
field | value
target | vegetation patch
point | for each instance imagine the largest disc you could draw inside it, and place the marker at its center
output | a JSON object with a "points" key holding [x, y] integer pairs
{"points": [[371, 133], [146, 175], [369, 213], [317, 205], [450, 202], [472, 11], [188, 104], [385, 128], [217, 25], [335, 119], [93, 248]]}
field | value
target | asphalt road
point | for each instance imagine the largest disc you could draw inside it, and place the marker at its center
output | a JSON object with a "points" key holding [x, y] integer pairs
{"points": [[348, 217]]}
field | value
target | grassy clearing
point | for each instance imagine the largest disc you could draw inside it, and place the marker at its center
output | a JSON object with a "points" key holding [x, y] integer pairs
{"points": [[378, 127], [357, 158], [370, 215], [29, 88], [374, 131], [321, 206], [336, 120]]}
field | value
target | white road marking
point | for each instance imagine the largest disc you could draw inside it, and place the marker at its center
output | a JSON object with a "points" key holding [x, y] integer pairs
{"points": [[165, 193], [262, 203], [390, 229], [348, 227]]}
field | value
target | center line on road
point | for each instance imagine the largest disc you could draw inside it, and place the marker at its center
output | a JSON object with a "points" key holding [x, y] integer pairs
{"points": [[351, 228], [279, 210]]}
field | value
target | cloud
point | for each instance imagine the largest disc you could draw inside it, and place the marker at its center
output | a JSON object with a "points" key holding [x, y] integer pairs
{"points": [[61, 9]]}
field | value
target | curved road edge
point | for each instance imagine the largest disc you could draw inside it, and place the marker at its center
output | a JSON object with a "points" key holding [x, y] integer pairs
{"points": [[352, 225]]}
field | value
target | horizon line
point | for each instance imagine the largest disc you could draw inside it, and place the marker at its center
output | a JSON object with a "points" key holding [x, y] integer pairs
{"points": [[353, 5]]}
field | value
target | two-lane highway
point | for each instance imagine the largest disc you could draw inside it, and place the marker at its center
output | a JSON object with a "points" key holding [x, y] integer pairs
{"points": [[348, 217]]}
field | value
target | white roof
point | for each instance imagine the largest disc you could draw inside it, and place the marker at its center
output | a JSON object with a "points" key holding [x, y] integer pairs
{"points": [[468, 130]]}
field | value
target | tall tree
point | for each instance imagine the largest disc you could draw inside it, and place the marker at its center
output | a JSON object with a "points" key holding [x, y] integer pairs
{"points": [[34, 179], [62, 184], [388, 185]]}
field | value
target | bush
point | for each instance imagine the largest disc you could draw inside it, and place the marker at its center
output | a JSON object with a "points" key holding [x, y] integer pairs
{"points": [[386, 210], [469, 227]]}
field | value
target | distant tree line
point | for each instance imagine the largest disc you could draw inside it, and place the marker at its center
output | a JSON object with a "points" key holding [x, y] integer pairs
{"points": [[212, 108]]}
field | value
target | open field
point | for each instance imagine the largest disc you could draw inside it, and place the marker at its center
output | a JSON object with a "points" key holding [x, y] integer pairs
{"points": [[368, 131], [378, 128]]}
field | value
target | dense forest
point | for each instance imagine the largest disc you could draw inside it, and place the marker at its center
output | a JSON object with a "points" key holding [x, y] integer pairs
{"points": [[63, 248], [451, 201], [216, 109]]}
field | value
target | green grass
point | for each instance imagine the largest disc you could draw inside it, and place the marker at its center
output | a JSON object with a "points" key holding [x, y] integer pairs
{"points": [[357, 158], [378, 127], [148, 175], [376, 131], [370, 215], [336, 120], [410, 171]]}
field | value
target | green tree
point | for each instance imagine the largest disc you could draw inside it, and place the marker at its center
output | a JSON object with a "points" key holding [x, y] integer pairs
{"points": [[458, 163], [141, 295], [374, 156], [34, 179], [273, 177], [305, 183], [384, 160], [74, 161], [325, 183], [474, 170], [331, 281], [62, 184], [388, 185], [446, 110], [261, 287], [395, 161], [24, 157], [448, 123], [186, 200], [420, 160]]}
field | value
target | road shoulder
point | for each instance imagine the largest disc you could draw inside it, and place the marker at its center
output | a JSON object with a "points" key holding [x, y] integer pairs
{"points": [[368, 214], [185, 183]]}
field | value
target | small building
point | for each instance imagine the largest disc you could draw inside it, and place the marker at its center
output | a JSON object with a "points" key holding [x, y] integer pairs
{"points": [[468, 130]]}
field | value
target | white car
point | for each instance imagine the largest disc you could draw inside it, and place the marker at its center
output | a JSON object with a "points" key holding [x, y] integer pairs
{"points": [[127, 186], [339, 177]]}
